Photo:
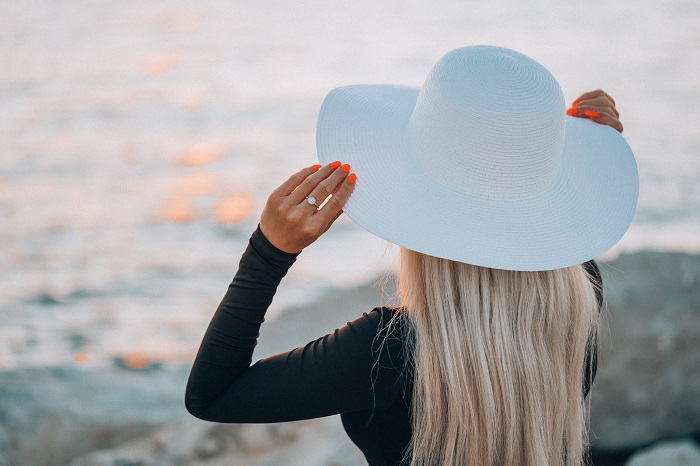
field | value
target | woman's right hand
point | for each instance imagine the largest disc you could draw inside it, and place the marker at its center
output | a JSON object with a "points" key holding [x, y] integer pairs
{"points": [[598, 106], [290, 222]]}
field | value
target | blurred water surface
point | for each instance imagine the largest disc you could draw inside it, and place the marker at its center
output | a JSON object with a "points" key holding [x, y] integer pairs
{"points": [[139, 141]]}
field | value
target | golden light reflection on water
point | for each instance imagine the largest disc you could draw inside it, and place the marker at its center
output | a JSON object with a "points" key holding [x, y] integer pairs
{"points": [[201, 153], [229, 208], [158, 65], [195, 184], [234, 208], [179, 209], [136, 360]]}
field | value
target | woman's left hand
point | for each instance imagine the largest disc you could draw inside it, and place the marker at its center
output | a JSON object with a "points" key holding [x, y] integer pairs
{"points": [[598, 106], [290, 221]]}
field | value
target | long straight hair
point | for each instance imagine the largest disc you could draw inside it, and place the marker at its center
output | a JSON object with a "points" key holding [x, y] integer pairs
{"points": [[498, 362]]}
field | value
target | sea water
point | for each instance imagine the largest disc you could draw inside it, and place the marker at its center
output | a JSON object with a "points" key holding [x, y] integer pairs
{"points": [[139, 141]]}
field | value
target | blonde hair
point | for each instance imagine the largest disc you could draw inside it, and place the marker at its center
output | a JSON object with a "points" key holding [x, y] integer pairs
{"points": [[498, 362]]}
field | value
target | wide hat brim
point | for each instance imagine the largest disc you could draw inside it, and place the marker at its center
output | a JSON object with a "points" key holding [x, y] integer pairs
{"points": [[580, 215]]}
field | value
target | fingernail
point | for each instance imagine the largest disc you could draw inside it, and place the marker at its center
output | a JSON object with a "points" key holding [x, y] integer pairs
{"points": [[352, 178], [335, 165], [316, 167], [572, 111], [591, 113], [575, 102], [345, 168]]}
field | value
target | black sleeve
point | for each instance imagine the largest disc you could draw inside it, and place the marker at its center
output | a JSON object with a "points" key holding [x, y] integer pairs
{"points": [[591, 363], [334, 374]]}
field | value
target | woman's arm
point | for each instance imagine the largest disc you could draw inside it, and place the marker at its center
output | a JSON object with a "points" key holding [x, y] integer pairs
{"points": [[227, 348], [340, 372], [334, 374]]}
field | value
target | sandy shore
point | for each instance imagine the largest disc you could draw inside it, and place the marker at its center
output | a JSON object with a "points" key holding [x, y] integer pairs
{"points": [[646, 390]]}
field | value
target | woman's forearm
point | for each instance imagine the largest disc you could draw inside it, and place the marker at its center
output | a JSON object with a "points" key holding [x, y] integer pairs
{"points": [[227, 348]]}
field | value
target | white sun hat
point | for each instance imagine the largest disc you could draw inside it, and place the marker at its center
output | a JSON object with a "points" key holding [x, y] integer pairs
{"points": [[481, 165]]}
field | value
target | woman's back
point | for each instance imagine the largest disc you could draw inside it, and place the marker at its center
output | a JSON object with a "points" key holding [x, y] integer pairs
{"points": [[502, 361]]}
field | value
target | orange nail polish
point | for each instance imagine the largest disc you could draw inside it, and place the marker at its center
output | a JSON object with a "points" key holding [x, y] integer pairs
{"points": [[572, 111], [335, 165], [352, 178], [575, 102], [316, 167], [345, 168], [591, 113]]}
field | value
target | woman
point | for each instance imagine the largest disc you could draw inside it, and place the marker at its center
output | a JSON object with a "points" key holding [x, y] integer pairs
{"points": [[499, 203]]}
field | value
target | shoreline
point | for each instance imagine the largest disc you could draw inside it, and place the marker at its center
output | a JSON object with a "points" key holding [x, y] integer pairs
{"points": [[646, 389]]}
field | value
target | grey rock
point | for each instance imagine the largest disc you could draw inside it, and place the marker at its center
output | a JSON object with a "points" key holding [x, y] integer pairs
{"points": [[318, 442], [648, 383], [676, 453], [50, 415]]}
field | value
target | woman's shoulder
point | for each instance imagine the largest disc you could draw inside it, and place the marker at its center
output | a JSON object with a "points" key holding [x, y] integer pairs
{"points": [[386, 328], [393, 332], [386, 313], [390, 321]]}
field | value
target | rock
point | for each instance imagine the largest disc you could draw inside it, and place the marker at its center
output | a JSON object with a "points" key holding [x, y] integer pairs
{"points": [[317, 442], [50, 415], [676, 453], [648, 382]]}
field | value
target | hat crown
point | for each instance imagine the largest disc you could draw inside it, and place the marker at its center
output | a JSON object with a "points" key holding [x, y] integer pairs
{"points": [[490, 121]]}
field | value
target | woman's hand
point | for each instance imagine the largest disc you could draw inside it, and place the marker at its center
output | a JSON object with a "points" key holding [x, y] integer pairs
{"points": [[290, 222], [598, 106]]}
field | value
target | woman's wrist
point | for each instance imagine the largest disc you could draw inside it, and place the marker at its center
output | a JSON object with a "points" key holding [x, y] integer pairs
{"points": [[269, 251]]}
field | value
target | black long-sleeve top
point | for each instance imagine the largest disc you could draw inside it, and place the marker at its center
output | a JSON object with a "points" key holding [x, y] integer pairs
{"points": [[357, 371]]}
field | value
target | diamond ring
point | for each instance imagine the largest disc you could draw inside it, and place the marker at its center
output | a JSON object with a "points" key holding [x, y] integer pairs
{"points": [[311, 200]]}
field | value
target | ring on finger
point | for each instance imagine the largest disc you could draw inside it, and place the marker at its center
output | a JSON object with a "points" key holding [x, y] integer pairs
{"points": [[312, 201]]}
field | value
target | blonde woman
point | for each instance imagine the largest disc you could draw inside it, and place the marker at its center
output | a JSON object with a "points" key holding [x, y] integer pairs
{"points": [[499, 199]]}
